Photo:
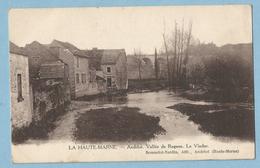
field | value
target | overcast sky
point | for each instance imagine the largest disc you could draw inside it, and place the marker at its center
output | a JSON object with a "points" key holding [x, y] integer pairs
{"points": [[129, 27]]}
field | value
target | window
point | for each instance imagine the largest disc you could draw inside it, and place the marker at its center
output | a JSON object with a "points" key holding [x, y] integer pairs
{"points": [[90, 77], [108, 69], [77, 61], [109, 82], [83, 78], [19, 88], [77, 78]]}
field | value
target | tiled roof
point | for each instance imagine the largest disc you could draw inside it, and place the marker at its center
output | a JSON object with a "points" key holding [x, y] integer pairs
{"points": [[37, 49], [66, 45], [104, 56], [111, 56], [81, 53], [16, 50], [73, 49]]}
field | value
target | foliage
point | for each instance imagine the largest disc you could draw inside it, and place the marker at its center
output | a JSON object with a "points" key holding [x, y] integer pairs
{"points": [[230, 120], [225, 70]]}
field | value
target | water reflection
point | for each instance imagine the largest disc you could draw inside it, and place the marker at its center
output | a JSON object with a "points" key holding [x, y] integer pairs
{"points": [[175, 123], [155, 104]]}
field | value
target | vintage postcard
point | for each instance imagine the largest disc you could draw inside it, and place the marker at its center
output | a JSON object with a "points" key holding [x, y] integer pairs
{"points": [[131, 83]]}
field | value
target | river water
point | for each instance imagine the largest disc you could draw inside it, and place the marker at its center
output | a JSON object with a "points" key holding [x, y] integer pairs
{"points": [[179, 131], [155, 104], [176, 124]]}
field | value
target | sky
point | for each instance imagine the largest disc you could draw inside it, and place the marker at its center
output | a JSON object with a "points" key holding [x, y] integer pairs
{"points": [[129, 27]]}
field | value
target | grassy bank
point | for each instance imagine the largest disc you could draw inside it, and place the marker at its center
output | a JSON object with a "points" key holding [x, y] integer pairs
{"points": [[116, 124], [231, 120], [218, 95]]}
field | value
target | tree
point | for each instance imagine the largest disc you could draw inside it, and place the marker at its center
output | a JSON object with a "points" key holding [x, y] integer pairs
{"points": [[197, 74], [167, 58], [156, 67], [177, 54], [138, 54], [185, 61]]}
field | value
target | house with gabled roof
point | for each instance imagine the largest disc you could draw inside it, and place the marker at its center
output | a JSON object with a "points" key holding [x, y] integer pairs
{"points": [[20, 88], [113, 64], [82, 77], [44, 69], [37, 54]]}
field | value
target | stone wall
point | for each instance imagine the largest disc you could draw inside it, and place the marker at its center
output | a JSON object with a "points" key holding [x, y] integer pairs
{"points": [[118, 73], [50, 99], [146, 70], [67, 57], [21, 109], [87, 86], [111, 74]]}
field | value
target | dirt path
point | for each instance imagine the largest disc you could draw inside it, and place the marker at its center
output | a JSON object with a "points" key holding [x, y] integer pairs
{"points": [[66, 124]]}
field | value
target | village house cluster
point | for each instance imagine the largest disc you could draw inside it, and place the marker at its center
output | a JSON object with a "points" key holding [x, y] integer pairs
{"points": [[46, 77]]}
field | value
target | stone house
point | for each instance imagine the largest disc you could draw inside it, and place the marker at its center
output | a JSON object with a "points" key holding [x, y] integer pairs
{"points": [[114, 67], [113, 64], [38, 54], [45, 75], [82, 77], [56, 72], [20, 88]]}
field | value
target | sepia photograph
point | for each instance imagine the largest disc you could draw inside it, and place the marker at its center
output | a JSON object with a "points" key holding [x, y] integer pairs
{"points": [[147, 83]]}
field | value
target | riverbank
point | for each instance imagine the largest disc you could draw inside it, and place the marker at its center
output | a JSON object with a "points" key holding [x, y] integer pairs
{"points": [[232, 95], [146, 85], [222, 120]]}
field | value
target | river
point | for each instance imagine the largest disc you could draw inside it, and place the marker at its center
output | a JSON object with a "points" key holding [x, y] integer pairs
{"points": [[155, 104], [176, 124], [179, 132]]}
